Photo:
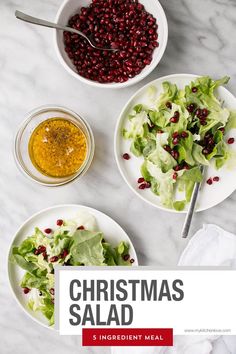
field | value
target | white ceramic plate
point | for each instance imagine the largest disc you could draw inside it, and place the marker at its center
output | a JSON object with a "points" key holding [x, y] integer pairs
{"points": [[130, 170], [47, 218]]}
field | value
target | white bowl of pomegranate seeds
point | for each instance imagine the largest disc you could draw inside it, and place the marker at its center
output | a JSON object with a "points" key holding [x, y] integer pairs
{"points": [[137, 28]]}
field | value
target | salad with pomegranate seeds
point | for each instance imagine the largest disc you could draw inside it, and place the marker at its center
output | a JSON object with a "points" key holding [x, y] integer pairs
{"points": [[178, 132], [76, 242]]}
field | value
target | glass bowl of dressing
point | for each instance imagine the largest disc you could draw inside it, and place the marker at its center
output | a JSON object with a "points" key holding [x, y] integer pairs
{"points": [[54, 146]]}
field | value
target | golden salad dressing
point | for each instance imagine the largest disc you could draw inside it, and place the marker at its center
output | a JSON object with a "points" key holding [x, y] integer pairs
{"points": [[57, 147]]}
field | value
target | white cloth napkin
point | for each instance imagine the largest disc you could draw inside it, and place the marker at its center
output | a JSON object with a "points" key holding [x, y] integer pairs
{"points": [[210, 246]]}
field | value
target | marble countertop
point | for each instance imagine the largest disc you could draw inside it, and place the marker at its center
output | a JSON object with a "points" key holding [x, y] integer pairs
{"points": [[201, 41]]}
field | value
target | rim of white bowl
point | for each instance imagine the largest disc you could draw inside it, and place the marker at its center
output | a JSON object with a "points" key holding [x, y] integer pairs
{"points": [[129, 82]]}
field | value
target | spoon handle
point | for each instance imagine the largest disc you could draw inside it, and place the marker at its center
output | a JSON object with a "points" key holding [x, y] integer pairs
{"points": [[189, 216], [37, 21]]}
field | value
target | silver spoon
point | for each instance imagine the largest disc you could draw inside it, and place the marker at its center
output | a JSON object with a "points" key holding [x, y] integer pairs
{"points": [[189, 216], [38, 21]]}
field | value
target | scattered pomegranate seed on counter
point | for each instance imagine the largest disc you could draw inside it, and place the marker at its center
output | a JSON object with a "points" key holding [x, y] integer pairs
{"points": [[209, 181], [48, 231], [230, 141], [59, 222], [216, 179], [26, 290], [141, 180], [126, 156], [142, 186], [81, 227], [124, 25]]}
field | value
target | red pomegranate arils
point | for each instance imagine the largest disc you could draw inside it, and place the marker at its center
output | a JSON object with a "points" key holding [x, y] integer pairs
{"points": [[132, 260], [53, 259], [52, 291], [81, 227], [126, 156], [230, 141], [121, 25], [194, 89], [209, 181], [126, 257], [216, 179], [26, 290], [59, 222], [142, 186], [175, 175], [48, 231], [141, 180]]}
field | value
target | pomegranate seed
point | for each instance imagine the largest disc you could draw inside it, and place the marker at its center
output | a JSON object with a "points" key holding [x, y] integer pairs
{"points": [[64, 253], [198, 112], [48, 231], [132, 260], [126, 156], [141, 180], [176, 114], [222, 130], [126, 257], [52, 291], [205, 112], [205, 151], [186, 166], [177, 168], [26, 290], [81, 227], [45, 256], [216, 179], [174, 119], [59, 222], [148, 185], [184, 134], [168, 105], [209, 181], [194, 89], [230, 141], [167, 148], [53, 259], [191, 108], [142, 186], [175, 135], [175, 141], [175, 175], [175, 154]]}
